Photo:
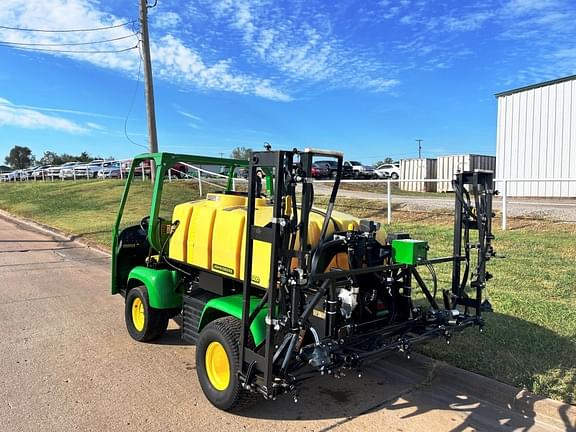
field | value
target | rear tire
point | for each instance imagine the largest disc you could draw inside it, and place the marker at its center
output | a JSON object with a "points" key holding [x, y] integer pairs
{"points": [[394, 176], [217, 364], [144, 323]]}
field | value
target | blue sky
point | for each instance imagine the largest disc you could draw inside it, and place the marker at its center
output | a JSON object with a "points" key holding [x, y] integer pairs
{"points": [[365, 77]]}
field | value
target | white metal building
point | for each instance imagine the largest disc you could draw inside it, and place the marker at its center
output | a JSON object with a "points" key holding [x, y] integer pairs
{"points": [[418, 169], [536, 138], [448, 166]]}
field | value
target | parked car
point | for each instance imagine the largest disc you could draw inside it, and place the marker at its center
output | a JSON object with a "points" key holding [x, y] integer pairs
{"points": [[53, 171], [320, 171], [332, 167], [144, 166], [10, 176], [90, 169], [65, 171], [180, 170], [359, 170], [112, 170], [388, 171], [35, 173]]}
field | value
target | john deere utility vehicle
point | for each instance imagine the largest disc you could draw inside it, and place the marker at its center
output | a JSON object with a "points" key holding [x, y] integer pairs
{"points": [[273, 289]]}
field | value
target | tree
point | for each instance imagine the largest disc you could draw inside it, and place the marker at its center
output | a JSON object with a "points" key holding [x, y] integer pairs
{"points": [[241, 153], [53, 158], [49, 158], [19, 157], [387, 160]]}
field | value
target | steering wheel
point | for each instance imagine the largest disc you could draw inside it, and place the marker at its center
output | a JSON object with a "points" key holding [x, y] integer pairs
{"points": [[144, 223]]}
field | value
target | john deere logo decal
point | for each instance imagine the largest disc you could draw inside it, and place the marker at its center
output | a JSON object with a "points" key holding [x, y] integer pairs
{"points": [[223, 269]]}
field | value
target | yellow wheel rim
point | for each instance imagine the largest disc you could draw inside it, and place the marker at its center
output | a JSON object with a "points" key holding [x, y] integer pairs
{"points": [[138, 314], [217, 366]]}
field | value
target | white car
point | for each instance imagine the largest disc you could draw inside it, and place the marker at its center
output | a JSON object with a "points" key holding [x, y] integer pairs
{"points": [[112, 170], [388, 171], [10, 176], [67, 170], [90, 169]]}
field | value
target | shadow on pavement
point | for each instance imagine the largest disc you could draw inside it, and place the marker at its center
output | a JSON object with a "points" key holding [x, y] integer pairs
{"points": [[414, 389]]}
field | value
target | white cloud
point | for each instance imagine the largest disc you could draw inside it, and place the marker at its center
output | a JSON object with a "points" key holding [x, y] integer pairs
{"points": [[12, 115], [70, 14], [520, 7], [164, 20], [467, 22], [173, 60], [300, 45], [69, 111], [194, 121], [191, 116], [95, 126]]}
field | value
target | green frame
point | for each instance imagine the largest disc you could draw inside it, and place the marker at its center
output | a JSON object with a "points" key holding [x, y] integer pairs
{"points": [[161, 163]]}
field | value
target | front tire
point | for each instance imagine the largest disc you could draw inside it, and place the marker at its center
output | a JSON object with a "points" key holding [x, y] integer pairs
{"points": [[217, 364], [144, 323]]}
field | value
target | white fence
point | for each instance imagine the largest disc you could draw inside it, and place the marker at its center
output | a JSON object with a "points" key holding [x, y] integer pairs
{"points": [[203, 176], [503, 192], [198, 176]]}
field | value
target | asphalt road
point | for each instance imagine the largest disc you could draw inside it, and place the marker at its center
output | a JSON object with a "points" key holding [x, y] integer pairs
{"points": [[68, 364]]}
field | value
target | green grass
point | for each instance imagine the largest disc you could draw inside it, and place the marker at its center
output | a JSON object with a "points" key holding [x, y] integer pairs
{"points": [[88, 209], [530, 341]]}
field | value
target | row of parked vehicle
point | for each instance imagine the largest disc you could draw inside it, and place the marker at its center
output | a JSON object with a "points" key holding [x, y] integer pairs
{"points": [[355, 170], [69, 170], [101, 169]]}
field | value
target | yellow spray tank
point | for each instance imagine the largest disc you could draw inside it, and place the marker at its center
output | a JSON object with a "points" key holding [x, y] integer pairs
{"points": [[211, 235]]}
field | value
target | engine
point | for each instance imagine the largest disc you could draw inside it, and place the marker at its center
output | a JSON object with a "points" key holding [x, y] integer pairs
{"points": [[369, 300]]}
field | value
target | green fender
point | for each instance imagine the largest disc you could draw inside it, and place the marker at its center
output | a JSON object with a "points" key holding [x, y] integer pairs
{"points": [[162, 286], [232, 306]]}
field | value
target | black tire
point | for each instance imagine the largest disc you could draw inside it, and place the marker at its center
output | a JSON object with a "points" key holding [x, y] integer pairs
{"points": [[225, 331], [394, 176], [155, 320], [333, 174]]}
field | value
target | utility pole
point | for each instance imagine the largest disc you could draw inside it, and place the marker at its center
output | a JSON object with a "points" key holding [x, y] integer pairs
{"points": [[419, 141], [148, 84]]}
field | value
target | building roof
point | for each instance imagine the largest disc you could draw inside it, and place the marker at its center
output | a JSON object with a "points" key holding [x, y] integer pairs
{"points": [[533, 86]]}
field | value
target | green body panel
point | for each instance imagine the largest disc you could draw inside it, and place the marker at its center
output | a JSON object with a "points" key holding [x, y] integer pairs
{"points": [[232, 306], [408, 251], [162, 162], [162, 286]]}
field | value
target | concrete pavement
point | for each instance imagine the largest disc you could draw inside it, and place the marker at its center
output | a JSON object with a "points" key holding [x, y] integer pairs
{"points": [[68, 364]]}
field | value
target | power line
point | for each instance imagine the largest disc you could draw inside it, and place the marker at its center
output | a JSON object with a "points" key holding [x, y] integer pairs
{"points": [[16, 44], [68, 51], [68, 30]]}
